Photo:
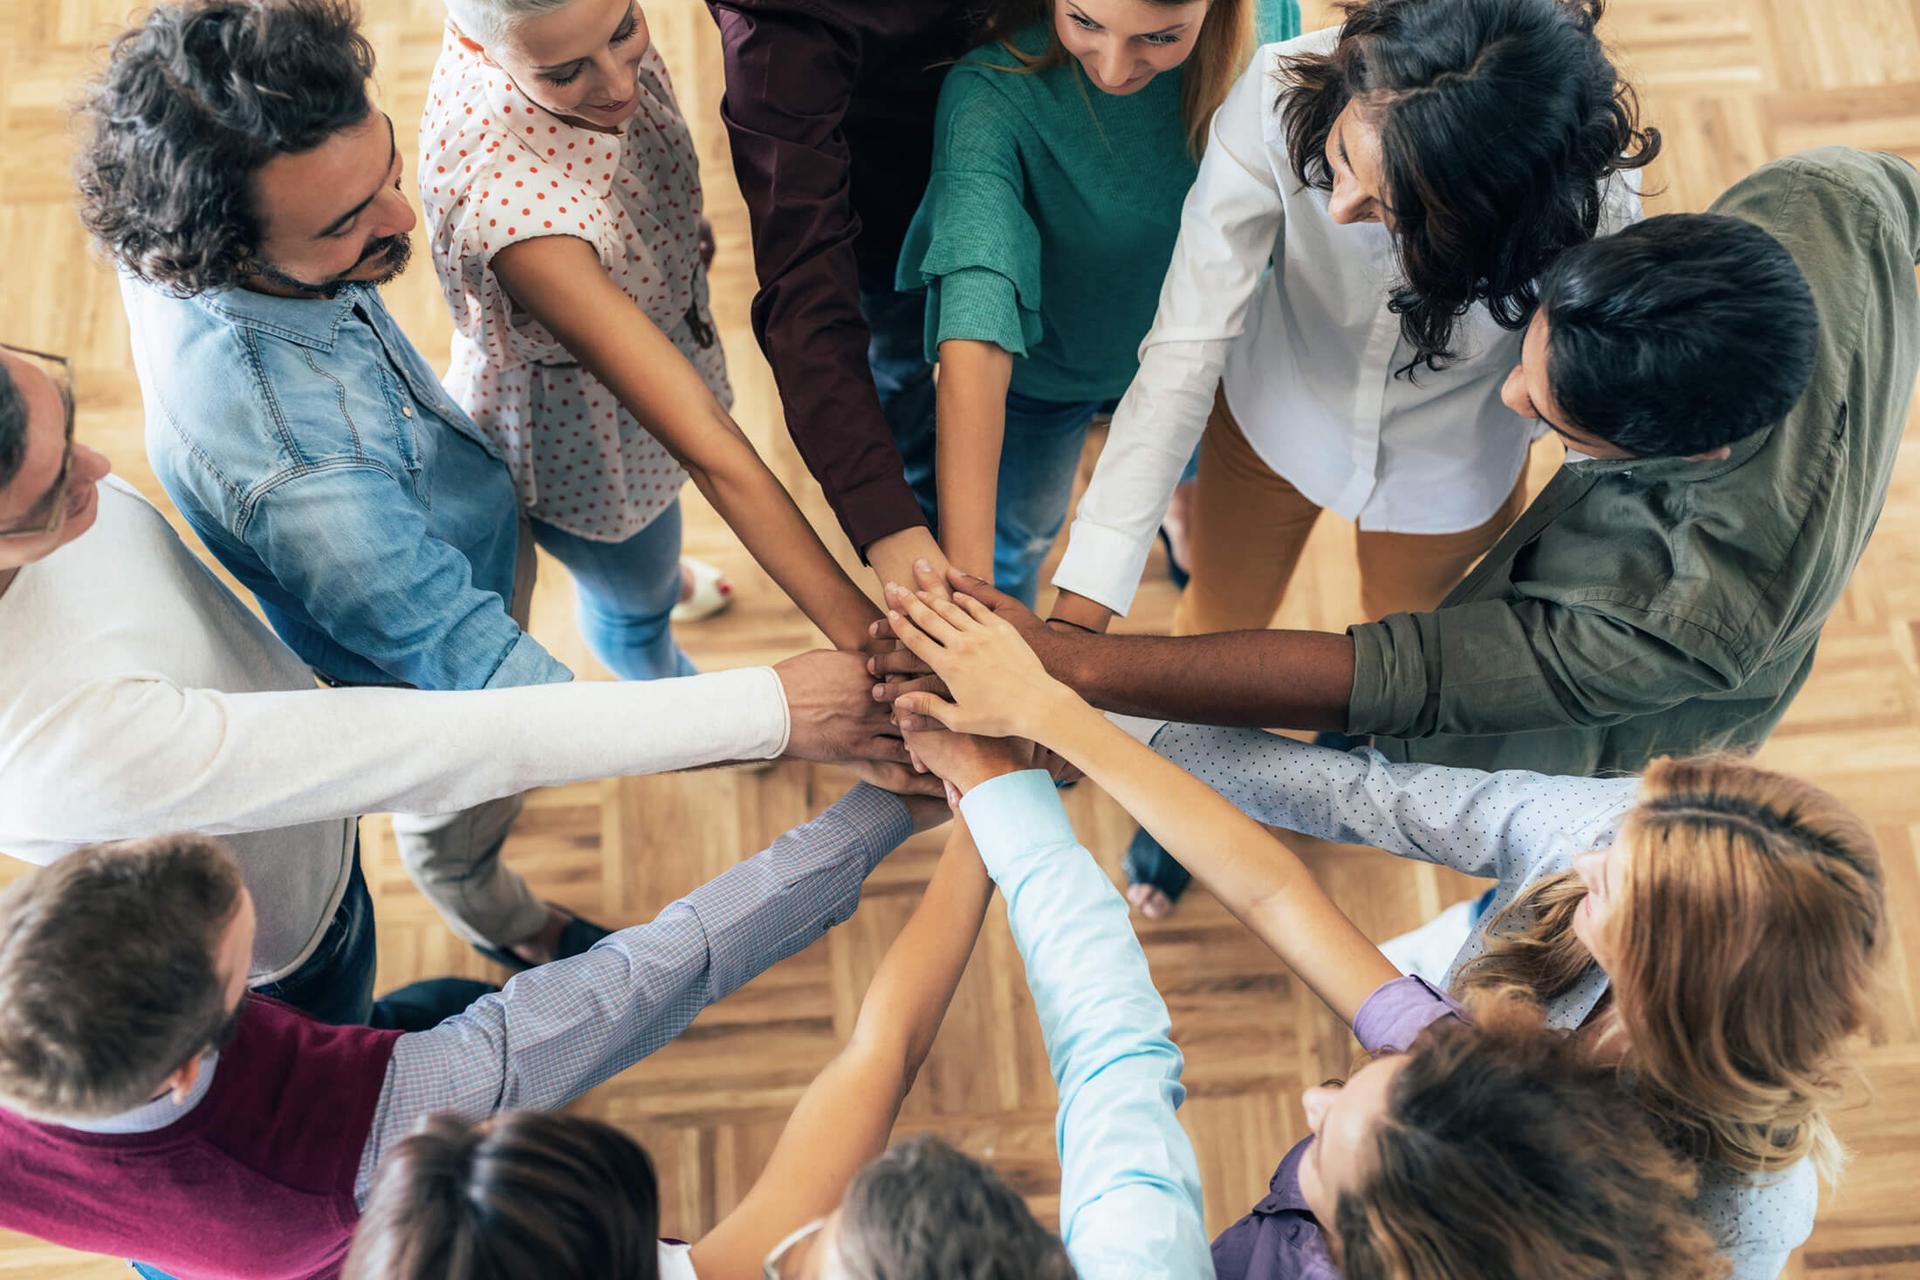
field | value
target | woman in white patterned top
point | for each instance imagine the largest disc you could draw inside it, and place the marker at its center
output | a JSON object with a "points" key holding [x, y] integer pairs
{"points": [[562, 192]]}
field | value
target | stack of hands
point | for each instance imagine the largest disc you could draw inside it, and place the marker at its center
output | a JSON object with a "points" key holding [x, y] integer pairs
{"points": [[961, 694]]}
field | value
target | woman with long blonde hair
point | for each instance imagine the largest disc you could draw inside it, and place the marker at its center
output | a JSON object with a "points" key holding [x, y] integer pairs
{"points": [[1709, 929], [1063, 150]]}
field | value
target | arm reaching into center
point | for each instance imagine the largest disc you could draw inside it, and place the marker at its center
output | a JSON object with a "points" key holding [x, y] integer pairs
{"points": [[559, 280], [846, 1116], [1000, 688]]}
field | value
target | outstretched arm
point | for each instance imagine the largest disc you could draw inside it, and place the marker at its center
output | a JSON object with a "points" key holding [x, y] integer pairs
{"points": [[999, 687], [559, 280], [846, 1116], [1130, 1184]]}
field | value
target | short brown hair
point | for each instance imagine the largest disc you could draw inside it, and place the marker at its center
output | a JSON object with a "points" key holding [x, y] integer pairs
{"points": [[109, 978], [1506, 1153], [522, 1194]]}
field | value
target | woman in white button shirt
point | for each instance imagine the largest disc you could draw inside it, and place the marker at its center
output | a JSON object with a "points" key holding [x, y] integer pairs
{"points": [[1407, 176]]}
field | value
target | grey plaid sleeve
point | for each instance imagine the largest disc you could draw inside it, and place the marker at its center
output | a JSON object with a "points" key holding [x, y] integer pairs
{"points": [[556, 1031]]}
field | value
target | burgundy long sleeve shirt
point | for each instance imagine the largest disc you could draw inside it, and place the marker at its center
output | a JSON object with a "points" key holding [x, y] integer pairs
{"points": [[829, 105]]}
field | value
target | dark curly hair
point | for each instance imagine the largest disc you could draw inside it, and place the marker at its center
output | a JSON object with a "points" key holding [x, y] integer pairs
{"points": [[192, 103], [1499, 122], [1678, 335]]}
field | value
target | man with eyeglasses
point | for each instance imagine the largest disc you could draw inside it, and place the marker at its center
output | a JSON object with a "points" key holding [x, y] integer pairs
{"points": [[138, 695]]}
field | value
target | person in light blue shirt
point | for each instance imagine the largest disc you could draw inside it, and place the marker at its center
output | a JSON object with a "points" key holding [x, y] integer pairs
{"points": [[239, 176]]}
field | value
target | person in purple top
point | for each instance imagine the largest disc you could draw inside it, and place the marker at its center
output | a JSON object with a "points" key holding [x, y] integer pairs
{"points": [[1488, 1147]]}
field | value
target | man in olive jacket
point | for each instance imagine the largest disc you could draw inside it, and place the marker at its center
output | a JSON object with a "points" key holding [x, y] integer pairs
{"points": [[1732, 388]]}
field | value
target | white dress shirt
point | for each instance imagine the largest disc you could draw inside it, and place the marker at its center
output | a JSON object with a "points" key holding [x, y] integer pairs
{"points": [[1307, 355]]}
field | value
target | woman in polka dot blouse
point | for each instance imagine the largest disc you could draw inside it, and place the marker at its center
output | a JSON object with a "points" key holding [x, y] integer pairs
{"points": [[563, 197], [1711, 928]]}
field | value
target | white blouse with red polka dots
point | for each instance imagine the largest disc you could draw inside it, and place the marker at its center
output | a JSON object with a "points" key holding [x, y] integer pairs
{"points": [[494, 170]]}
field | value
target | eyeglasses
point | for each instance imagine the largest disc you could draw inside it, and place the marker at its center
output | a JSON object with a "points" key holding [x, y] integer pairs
{"points": [[52, 508], [775, 1267]]}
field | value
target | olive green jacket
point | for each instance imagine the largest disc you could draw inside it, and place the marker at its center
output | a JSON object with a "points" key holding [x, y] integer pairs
{"points": [[1654, 607]]}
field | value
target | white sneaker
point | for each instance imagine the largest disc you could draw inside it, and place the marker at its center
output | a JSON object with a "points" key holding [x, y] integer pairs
{"points": [[1429, 951]]}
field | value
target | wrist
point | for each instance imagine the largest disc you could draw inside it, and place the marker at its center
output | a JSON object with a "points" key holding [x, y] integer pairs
{"points": [[975, 772]]}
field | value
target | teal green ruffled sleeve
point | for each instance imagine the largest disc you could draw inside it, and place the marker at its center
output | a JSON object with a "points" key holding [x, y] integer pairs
{"points": [[973, 245], [1276, 20]]}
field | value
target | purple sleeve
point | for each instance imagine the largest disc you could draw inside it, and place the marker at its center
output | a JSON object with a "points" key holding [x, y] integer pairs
{"points": [[1399, 1011]]}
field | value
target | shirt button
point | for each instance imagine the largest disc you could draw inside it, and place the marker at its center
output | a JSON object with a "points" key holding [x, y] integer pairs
{"points": [[406, 411]]}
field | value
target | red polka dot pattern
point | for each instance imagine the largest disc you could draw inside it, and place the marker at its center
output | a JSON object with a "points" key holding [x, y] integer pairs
{"points": [[580, 461]]}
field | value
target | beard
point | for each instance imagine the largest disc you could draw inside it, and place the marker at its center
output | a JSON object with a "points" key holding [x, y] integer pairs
{"points": [[398, 251]]}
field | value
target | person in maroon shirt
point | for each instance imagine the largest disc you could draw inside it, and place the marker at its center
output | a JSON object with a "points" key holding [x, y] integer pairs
{"points": [[829, 105]]}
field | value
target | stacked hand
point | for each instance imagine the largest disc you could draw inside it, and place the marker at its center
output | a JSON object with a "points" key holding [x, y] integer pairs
{"points": [[994, 683], [835, 720]]}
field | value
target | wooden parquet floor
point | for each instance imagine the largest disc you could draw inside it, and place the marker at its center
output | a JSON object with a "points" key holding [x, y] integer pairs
{"points": [[1730, 82]]}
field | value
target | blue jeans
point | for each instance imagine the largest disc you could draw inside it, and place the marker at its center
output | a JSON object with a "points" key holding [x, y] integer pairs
{"points": [[1038, 457], [626, 593]]}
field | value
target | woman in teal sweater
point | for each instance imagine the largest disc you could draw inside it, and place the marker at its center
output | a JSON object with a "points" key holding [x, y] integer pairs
{"points": [[1063, 150]]}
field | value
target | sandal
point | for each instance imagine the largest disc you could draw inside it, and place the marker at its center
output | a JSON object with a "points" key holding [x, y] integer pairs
{"points": [[711, 593], [1150, 865]]}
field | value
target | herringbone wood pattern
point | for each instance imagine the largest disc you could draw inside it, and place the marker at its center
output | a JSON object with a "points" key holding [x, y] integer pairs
{"points": [[1732, 83]]}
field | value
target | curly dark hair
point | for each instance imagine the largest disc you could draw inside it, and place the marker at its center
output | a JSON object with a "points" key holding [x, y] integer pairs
{"points": [[1499, 122], [1678, 335], [192, 103]]}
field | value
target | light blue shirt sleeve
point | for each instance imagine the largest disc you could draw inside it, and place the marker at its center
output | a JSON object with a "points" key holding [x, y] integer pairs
{"points": [[1130, 1184]]}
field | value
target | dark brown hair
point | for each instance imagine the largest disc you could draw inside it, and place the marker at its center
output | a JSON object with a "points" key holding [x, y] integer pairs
{"points": [[1507, 1153], [192, 103], [1500, 121], [523, 1194], [109, 977], [1747, 935], [1219, 54]]}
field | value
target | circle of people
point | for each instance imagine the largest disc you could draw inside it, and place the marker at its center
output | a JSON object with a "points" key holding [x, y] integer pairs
{"points": [[1361, 269]]}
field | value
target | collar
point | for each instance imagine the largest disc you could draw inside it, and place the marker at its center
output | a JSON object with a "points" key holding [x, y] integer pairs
{"points": [[309, 322], [155, 1115], [541, 135], [1283, 1195], [1657, 469]]}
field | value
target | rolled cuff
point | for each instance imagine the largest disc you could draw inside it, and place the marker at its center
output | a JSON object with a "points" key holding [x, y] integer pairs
{"points": [[527, 663], [1102, 564], [1390, 677]]}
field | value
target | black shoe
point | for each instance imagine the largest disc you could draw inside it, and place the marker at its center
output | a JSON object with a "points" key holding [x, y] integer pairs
{"points": [[421, 1006], [1174, 570], [578, 936], [1149, 864], [1342, 741]]}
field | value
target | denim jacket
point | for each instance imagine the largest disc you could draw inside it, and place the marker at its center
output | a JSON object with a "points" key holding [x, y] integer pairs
{"points": [[316, 454]]}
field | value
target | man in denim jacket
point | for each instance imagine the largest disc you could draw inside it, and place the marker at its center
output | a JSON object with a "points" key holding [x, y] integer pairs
{"points": [[251, 196]]}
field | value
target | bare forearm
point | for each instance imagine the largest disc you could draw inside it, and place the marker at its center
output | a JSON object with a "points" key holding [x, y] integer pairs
{"points": [[908, 997], [1257, 679], [971, 413], [759, 509], [1257, 878]]}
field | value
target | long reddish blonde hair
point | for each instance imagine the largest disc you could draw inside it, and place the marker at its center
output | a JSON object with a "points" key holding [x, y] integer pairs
{"points": [[1747, 935], [1219, 54]]}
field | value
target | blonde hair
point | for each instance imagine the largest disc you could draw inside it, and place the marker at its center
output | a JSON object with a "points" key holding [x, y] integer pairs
{"points": [[1750, 923], [1219, 54]]}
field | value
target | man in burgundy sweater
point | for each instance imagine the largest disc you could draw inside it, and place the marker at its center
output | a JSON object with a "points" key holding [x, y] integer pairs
{"points": [[150, 1107], [829, 106]]}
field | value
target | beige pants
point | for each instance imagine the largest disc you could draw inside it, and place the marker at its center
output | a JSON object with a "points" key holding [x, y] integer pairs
{"points": [[455, 857], [1250, 526]]}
